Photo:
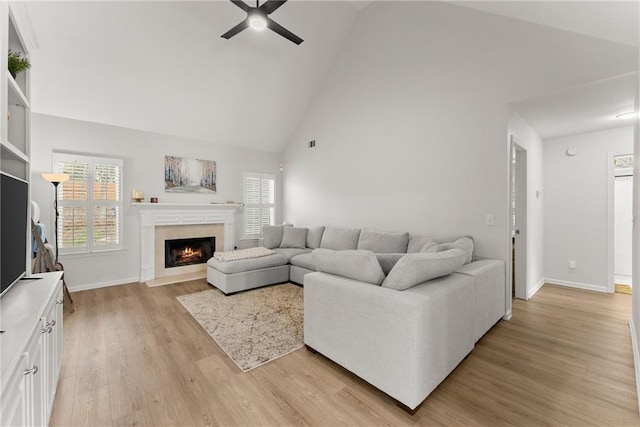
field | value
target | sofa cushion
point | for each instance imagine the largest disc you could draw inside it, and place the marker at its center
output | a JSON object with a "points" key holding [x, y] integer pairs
{"points": [[272, 236], [294, 237], [464, 243], [340, 239], [419, 243], [387, 261], [243, 265], [413, 269], [353, 264], [383, 242], [314, 236], [291, 252], [304, 261]]}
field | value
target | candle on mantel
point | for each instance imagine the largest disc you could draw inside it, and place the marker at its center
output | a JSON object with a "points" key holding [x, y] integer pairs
{"points": [[137, 195]]}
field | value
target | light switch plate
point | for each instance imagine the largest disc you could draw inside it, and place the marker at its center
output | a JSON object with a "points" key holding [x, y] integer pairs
{"points": [[489, 219]]}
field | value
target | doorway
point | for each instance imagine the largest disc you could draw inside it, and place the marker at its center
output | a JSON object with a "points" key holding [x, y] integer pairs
{"points": [[518, 220], [623, 225]]}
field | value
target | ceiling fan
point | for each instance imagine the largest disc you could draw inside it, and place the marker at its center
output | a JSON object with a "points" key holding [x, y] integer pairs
{"points": [[258, 18]]}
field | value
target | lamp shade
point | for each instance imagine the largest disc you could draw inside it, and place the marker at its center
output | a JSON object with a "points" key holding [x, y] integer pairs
{"points": [[56, 178]]}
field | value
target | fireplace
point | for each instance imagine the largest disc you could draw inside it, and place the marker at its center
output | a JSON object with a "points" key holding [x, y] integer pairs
{"points": [[181, 252]]}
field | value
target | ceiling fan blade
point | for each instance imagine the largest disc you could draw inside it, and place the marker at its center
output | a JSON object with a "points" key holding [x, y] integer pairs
{"points": [[235, 30], [271, 6], [242, 5], [274, 26]]}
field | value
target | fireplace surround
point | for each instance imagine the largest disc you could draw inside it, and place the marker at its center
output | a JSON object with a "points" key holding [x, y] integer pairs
{"points": [[174, 218]]}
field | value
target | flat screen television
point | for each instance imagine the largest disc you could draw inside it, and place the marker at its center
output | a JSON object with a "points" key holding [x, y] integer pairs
{"points": [[14, 199]]}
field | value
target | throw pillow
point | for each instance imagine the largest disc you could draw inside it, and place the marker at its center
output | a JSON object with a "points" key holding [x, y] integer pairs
{"points": [[294, 237], [430, 243], [416, 243], [383, 242], [464, 243], [272, 236], [413, 269], [352, 264], [340, 239], [314, 236], [388, 261]]}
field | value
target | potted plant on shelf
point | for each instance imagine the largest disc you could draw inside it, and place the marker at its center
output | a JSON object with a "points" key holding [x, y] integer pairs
{"points": [[17, 63]]}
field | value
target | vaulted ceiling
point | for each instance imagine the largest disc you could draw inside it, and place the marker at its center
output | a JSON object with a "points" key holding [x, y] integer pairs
{"points": [[163, 67]]}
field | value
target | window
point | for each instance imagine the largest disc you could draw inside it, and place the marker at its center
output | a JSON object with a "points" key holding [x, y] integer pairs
{"points": [[259, 203], [89, 203]]}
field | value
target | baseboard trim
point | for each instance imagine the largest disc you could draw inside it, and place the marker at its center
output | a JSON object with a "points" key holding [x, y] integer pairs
{"points": [[585, 286], [636, 359], [535, 290], [89, 286], [508, 315]]}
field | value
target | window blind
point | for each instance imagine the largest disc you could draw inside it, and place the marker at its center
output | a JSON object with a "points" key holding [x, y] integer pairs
{"points": [[259, 203], [89, 203]]}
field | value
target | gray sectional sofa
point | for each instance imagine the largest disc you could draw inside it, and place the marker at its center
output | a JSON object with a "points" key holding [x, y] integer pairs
{"points": [[398, 310]]}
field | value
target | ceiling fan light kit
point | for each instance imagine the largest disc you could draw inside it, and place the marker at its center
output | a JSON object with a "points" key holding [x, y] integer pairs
{"points": [[258, 19]]}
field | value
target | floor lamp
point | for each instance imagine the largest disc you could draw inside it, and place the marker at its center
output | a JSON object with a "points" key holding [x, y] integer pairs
{"points": [[55, 179]]}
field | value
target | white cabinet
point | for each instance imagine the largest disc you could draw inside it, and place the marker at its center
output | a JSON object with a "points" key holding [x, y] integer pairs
{"points": [[52, 346], [36, 384], [14, 403], [31, 350]]}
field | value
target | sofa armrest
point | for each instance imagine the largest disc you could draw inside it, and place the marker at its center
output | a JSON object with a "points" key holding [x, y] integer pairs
{"points": [[403, 342]]}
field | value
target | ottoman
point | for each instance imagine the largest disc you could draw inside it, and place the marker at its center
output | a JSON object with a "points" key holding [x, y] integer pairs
{"points": [[241, 275]]}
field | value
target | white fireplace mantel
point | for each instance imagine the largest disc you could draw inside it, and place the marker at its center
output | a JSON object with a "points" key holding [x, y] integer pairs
{"points": [[162, 214]]}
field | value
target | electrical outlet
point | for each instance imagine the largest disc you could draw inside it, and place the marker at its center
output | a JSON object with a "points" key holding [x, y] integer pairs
{"points": [[489, 219], [312, 143], [572, 264]]}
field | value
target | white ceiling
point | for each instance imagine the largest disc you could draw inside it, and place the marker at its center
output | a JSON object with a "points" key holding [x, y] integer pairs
{"points": [[612, 20], [163, 67], [584, 108], [581, 109]]}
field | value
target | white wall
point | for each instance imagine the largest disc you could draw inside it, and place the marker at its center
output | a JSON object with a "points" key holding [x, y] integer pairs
{"points": [[143, 154], [411, 122], [528, 139], [623, 225], [576, 206], [635, 314]]}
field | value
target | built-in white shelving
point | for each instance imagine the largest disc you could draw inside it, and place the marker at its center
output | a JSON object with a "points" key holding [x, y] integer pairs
{"points": [[16, 95], [31, 311], [10, 152], [15, 107]]}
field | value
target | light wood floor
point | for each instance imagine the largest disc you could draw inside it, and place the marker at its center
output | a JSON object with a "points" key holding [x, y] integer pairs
{"points": [[134, 356]]}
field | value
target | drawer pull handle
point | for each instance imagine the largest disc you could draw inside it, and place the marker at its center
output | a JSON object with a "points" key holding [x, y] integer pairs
{"points": [[33, 370]]}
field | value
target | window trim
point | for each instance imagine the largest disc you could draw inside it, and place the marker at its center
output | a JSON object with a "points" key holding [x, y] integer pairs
{"points": [[273, 205], [90, 203]]}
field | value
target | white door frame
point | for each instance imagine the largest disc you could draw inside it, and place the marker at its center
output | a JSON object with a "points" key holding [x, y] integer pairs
{"points": [[521, 219], [611, 218], [507, 233]]}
